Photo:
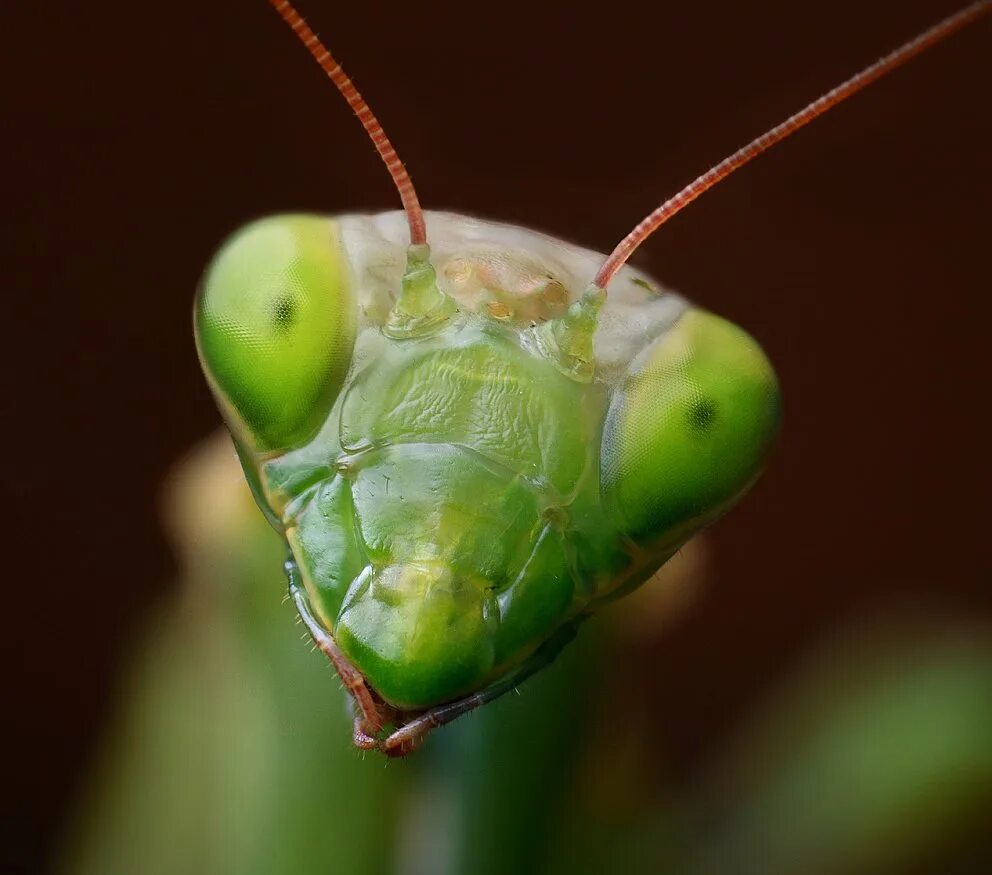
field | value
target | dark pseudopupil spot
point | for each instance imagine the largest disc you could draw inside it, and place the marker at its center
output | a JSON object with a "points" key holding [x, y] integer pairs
{"points": [[701, 414], [283, 312]]}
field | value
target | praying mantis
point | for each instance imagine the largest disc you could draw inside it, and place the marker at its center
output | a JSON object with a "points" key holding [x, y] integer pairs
{"points": [[472, 436]]}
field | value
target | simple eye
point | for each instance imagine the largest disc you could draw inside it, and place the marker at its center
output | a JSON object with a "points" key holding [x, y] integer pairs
{"points": [[275, 325], [688, 429]]}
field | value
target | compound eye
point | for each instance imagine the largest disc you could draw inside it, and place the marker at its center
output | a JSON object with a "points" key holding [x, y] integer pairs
{"points": [[275, 325], [688, 430]]}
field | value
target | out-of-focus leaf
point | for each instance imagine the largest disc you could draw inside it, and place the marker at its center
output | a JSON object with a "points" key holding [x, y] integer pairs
{"points": [[876, 759]]}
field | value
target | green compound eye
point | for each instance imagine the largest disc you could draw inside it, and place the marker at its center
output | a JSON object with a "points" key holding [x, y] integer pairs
{"points": [[275, 325], [688, 430]]}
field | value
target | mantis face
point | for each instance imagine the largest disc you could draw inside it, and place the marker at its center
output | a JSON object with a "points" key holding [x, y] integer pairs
{"points": [[469, 447], [458, 488]]}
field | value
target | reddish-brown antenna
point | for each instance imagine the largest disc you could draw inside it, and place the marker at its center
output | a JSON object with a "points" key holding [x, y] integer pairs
{"points": [[711, 177], [404, 185]]}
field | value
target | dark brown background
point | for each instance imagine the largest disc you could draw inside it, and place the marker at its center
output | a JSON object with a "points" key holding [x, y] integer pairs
{"points": [[137, 136]]}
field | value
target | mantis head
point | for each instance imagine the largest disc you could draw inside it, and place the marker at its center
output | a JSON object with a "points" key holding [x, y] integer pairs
{"points": [[472, 445]]}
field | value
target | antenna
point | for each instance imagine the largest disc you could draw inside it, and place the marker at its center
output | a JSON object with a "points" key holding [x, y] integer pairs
{"points": [[711, 177], [404, 185]]}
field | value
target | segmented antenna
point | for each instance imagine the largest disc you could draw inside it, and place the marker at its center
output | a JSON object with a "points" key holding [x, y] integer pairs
{"points": [[404, 185], [711, 177]]}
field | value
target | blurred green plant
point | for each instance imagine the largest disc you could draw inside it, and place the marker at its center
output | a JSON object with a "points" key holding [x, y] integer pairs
{"points": [[875, 758], [231, 752]]}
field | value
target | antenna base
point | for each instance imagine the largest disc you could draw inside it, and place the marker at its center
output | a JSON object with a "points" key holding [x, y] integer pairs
{"points": [[421, 308], [567, 341]]}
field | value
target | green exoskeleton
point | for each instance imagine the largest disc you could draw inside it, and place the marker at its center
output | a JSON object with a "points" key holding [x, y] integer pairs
{"points": [[471, 446]]}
